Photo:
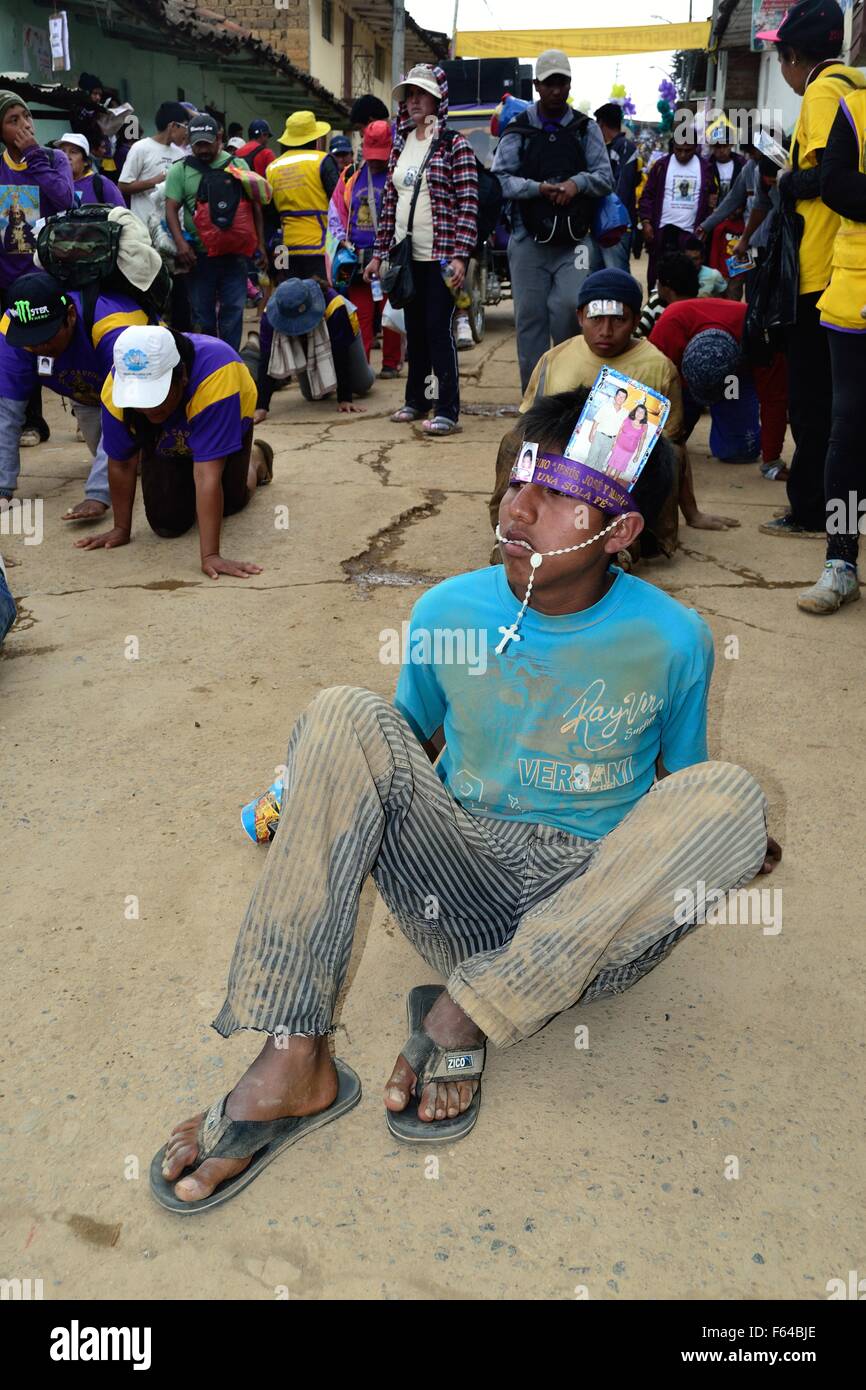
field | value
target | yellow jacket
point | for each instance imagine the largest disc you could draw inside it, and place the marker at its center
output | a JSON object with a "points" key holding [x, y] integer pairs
{"points": [[820, 223], [300, 199], [843, 303]]}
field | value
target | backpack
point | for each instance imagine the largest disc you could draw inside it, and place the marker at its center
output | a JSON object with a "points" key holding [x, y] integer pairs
{"points": [[79, 248], [489, 193], [552, 157], [223, 217]]}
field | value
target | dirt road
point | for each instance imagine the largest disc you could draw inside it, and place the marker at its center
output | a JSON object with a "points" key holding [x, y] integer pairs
{"points": [[608, 1169]]}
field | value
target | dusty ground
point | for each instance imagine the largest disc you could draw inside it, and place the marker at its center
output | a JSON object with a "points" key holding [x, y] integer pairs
{"points": [[602, 1168]]}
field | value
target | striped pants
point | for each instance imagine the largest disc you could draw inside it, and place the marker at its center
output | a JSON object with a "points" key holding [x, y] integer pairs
{"points": [[523, 920]]}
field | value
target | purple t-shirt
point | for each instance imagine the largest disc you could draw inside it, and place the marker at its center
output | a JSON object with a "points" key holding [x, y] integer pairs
{"points": [[40, 185], [212, 419], [111, 194], [80, 371]]}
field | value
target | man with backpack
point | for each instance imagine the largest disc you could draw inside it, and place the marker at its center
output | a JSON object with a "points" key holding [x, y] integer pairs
{"points": [[222, 228], [90, 185], [55, 338], [553, 165]]}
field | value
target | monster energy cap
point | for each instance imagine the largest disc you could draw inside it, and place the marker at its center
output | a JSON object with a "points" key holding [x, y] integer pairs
{"points": [[36, 310]]}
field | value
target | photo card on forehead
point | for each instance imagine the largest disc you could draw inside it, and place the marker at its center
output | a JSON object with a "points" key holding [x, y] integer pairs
{"points": [[524, 468], [620, 422]]}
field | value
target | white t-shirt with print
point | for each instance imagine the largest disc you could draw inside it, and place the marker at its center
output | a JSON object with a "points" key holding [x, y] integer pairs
{"points": [[725, 172], [145, 160], [682, 194], [405, 177]]}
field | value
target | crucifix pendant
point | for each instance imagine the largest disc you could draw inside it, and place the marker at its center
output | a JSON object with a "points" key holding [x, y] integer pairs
{"points": [[509, 634]]}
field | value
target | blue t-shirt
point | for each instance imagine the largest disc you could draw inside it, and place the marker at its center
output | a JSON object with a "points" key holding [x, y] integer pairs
{"points": [[566, 725]]}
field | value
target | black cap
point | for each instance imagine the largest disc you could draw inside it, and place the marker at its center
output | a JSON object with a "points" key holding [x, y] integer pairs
{"points": [[810, 25], [36, 309], [203, 127]]}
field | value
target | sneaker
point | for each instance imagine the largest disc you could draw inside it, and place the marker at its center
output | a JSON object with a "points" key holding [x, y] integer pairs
{"points": [[786, 526], [463, 333], [838, 584], [30, 438], [389, 373]]}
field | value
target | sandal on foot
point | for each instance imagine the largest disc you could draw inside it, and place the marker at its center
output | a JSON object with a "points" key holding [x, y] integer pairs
{"points": [[430, 1062], [405, 415], [219, 1136], [268, 460], [441, 425]]}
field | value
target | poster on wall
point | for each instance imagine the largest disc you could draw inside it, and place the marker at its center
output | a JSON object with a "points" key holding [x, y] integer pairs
{"points": [[36, 50], [58, 30], [766, 14]]}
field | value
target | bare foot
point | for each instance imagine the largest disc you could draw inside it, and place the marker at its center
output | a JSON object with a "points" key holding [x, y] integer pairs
{"points": [[449, 1026], [88, 510], [706, 521], [299, 1079]]}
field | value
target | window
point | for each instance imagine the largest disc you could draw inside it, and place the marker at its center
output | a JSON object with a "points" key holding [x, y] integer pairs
{"points": [[379, 63], [327, 20]]}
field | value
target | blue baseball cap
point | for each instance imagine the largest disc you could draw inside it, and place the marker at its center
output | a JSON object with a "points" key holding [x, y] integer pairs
{"points": [[341, 144], [258, 128]]}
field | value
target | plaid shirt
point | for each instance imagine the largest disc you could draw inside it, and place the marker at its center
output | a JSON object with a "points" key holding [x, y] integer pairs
{"points": [[452, 179]]}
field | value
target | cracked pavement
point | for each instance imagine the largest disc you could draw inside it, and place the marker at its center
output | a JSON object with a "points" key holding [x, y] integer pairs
{"points": [[125, 874]]}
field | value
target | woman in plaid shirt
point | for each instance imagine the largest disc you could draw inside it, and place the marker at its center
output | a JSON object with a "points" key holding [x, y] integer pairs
{"points": [[445, 229]]}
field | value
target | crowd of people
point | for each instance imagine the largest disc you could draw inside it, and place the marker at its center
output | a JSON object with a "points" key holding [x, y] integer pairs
{"points": [[334, 244]]}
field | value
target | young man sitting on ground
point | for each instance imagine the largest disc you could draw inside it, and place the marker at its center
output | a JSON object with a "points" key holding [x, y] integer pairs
{"points": [[608, 306], [184, 402], [573, 799]]}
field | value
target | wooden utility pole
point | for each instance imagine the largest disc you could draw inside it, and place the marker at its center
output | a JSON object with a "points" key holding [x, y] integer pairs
{"points": [[398, 50]]}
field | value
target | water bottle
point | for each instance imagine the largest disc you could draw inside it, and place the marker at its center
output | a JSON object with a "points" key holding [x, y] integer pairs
{"points": [[376, 289]]}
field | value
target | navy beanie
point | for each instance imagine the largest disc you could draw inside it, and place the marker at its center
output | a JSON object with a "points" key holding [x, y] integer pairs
{"points": [[709, 359], [611, 284]]}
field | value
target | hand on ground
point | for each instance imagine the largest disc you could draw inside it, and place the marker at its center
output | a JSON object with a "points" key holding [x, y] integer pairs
{"points": [[214, 565], [106, 540], [706, 521]]}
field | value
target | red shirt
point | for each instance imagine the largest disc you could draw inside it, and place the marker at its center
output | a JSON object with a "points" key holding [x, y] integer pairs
{"points": [[262, 159], [680, 322]]}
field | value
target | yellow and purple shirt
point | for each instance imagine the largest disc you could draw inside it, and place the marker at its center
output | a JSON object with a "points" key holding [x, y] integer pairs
{"points": [[213, 417], [79, 371]]}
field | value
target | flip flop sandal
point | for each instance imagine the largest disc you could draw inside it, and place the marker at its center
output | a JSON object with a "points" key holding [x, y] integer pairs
{"points": [[440, 425], [268, 456], [430, 1062], [219, 1136], [405, 415]]}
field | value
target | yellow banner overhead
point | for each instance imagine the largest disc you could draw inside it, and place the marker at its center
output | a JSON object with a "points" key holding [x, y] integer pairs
{"points": [[581, 43]]}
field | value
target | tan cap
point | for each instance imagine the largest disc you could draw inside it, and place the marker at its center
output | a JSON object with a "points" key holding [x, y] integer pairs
{"points": [[423, 76], [552, 63]]}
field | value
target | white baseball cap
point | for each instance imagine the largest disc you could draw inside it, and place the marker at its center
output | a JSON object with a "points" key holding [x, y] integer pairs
{"points": [[144, 359], [71, 139]]}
